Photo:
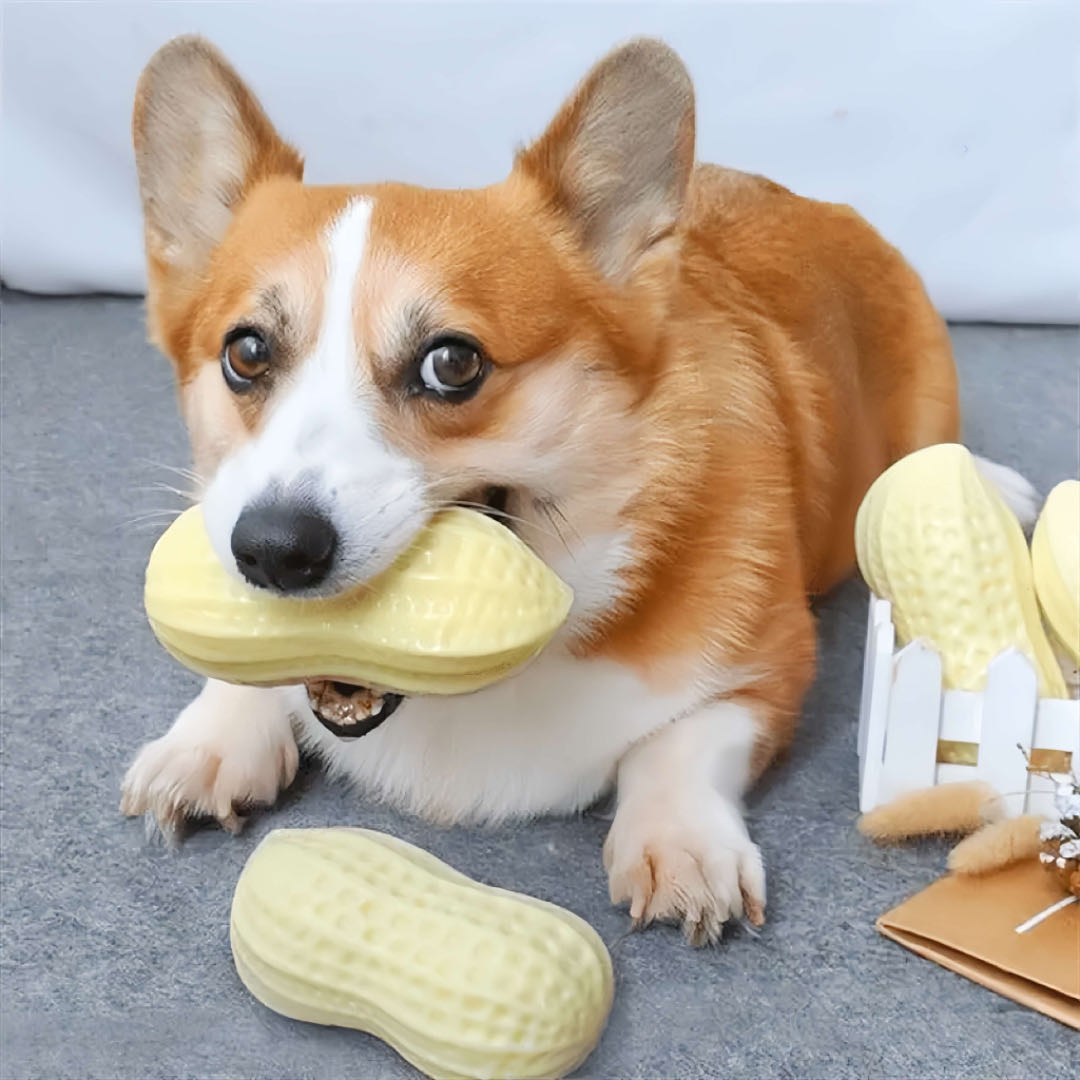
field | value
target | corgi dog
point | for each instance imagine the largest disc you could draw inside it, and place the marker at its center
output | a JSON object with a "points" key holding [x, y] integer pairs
{"points": [[674, 381]]}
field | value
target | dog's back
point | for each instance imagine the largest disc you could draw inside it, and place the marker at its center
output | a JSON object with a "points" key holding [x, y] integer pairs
{"points": [[860, 362], [802, 357]]}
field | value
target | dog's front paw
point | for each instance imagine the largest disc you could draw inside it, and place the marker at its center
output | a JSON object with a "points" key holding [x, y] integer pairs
{"points": [[684, 863], [231, 748]]}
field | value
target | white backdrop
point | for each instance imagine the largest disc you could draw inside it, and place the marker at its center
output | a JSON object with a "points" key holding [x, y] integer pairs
{"points": [[952, 126]]}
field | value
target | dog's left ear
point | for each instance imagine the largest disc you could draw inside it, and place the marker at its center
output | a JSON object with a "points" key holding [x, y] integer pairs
{"points": [[618, 156]]}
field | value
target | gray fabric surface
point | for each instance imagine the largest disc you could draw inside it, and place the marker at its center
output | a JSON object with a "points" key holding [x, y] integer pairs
{"points": [[115, 953]]}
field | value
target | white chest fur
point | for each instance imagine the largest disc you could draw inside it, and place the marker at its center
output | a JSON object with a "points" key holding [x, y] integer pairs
{"points": [[546, 740]]}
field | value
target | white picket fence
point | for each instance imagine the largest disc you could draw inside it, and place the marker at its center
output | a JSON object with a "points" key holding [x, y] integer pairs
{"points": [[905, 714]]}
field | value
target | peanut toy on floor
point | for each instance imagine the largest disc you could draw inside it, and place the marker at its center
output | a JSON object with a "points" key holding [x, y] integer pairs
{"points": [[357, 929]]}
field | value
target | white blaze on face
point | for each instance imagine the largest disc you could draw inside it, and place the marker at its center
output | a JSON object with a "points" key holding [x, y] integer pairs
{"points": [[320, 443]]}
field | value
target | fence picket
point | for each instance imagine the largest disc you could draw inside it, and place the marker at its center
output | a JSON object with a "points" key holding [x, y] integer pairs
{"points": [[904, 712], [1008, 719], [874, 711], [914, 717]]}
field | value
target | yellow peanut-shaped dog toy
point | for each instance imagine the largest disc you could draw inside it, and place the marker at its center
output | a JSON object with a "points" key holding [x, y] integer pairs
{"points": [[1055, 559], [935, 539], [357, 929], [466, 604]]}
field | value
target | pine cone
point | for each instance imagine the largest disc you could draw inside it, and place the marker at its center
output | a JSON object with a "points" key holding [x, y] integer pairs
{"points": [[1060, 840], [1067, 870]]}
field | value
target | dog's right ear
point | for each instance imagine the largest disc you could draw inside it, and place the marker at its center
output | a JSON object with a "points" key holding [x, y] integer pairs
{"points": [[617, 159], [202, 142]]}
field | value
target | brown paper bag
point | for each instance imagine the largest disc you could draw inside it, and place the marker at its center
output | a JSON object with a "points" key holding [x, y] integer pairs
{"points": [[968, 924]]}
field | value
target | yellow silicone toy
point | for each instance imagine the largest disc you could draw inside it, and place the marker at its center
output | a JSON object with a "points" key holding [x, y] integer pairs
{"points": [[938, 542], [358, 929], [1055, 559], [466, 604]]}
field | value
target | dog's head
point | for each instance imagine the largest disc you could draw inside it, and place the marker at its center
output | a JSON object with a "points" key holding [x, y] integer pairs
{"points": [[351, 358]]}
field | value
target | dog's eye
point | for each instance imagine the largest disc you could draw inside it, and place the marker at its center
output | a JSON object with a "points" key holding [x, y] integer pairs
{"points": [[244, 357], [452, 368]]}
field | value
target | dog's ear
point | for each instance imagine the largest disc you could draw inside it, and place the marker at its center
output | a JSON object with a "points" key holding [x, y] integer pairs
{"points": [[618, 156], [202, 142]]}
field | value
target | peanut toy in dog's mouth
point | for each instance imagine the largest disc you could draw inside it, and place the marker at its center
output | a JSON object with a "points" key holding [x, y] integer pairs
{"points": [[465, 605]]}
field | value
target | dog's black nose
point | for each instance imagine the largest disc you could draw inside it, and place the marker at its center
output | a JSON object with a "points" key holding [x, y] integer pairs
{"points": [[283, 545]]}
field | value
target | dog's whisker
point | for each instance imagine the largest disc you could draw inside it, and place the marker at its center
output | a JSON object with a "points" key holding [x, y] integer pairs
{"points": [[150, 511], [504, 515], [545, 508], [442, 488], [152, 517], [181, 471], [140, 527], [445, 489], [186, 494], [555, 508]]}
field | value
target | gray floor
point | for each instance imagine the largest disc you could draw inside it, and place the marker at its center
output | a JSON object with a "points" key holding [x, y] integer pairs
{"points": [[115, 954]]}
